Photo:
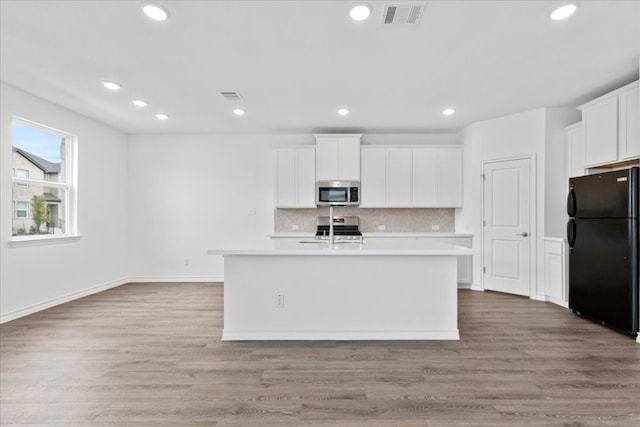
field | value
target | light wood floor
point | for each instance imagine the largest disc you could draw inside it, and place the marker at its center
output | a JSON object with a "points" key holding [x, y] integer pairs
{"points": [[150, 354]]}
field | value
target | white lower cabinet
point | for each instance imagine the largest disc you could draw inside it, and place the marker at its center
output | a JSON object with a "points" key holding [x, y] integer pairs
{"points": [[465, 262], [555, 271], [406, 177], [295, 178]]}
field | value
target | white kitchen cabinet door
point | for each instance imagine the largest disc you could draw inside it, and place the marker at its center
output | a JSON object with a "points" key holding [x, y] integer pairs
{"points": [[600, 126], [555, 283], [349, 158], [629, 121], [437, 177], [306, 177], [285, 178], [425, 177], [374, 178], [399, 178], [295, 178], [338, 157], [575, 150], [327, 153], [449, 178]]}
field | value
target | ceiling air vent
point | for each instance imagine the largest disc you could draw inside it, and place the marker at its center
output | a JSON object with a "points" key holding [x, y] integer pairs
{"points": [[402, 13], [231, 95]]}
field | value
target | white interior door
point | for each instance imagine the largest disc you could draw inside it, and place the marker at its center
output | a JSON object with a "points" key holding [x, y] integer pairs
{"points": [[507, 231]]}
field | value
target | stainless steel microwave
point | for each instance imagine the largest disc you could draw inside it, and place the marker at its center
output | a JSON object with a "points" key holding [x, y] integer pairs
{"points": [[337, 193]]}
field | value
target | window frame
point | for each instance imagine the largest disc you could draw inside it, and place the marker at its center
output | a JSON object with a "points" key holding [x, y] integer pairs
{"points": [[68, 187], [15, 175], [15, 209]]}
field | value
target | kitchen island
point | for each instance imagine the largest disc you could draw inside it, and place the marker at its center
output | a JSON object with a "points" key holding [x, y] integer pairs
{"points": [[309, 290]]}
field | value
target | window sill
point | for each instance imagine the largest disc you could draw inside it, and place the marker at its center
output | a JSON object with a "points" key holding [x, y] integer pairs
{"points": [[17, 242]]}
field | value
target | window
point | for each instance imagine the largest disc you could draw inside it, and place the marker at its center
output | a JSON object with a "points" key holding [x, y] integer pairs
{"points": [[21, 209], [44, 190], [21, 174]]}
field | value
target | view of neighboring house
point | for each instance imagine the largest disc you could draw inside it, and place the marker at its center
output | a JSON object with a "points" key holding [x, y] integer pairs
{"points": [[29, 166]]}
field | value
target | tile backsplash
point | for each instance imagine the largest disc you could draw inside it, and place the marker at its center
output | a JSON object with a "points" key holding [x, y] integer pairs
{"points": [[394, 220]]}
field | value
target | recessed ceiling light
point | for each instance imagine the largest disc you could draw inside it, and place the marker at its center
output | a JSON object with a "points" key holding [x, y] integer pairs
{"points": [[111, 85], [162, 116], [448, 111], [239, 112], [140, 103], [360, 12], [563, 12], [343, 111], [155, 12]]}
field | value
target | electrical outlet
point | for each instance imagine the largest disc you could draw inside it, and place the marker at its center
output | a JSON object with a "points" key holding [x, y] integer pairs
{"points": [[382, 228], [252, 211], [295, 228], [435, 227], [279, 300], [187, 261]]}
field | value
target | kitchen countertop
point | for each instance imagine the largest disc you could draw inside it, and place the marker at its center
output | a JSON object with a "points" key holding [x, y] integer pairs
{"points": [[306, 246], [408, 234]]}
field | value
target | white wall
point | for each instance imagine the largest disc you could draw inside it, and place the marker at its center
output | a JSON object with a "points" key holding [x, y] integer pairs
{"points": [[521, 134], [36, 277], [531, 133], [556, 180], [190, 193]]}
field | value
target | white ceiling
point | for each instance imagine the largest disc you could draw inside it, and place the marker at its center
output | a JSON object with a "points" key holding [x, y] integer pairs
{"points": [[296, 62]]}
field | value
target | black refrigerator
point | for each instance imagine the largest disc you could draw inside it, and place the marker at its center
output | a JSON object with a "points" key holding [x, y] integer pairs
{"points": [[603, 248]]}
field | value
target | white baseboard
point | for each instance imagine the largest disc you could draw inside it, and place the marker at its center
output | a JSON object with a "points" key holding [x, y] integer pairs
{"points": [[12, 315], [187, 279], [338, 335], [476, 287], [464, 285]]}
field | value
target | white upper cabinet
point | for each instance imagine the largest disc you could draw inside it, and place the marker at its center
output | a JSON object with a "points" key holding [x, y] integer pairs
{"points": [[425, 177], [399, 177], [411, 177], [374, 177], [629, 122], [610, 127], [437, 177], [601, 132], [338, 157], [575, 150], [449, 170], [295, 177]]}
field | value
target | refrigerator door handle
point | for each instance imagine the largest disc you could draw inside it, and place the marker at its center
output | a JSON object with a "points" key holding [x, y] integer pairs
{"points": [[571, 233], [571, 203]]}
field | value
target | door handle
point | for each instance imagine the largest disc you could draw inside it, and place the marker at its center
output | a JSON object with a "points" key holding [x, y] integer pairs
{"points": [[525, 234]]}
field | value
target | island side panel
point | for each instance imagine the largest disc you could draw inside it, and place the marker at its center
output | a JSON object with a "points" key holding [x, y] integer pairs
{"points": [[340, 297]]}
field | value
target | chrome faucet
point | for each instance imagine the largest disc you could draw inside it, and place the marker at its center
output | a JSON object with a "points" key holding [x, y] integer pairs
{"points": [[331, 226]]}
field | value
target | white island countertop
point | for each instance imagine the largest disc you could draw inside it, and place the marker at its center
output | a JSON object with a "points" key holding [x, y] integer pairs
{"points": [[371, 247], [386, 234]]}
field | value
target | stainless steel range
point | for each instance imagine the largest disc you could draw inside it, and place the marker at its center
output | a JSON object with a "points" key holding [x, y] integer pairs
{"points": [[345, 228]]}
